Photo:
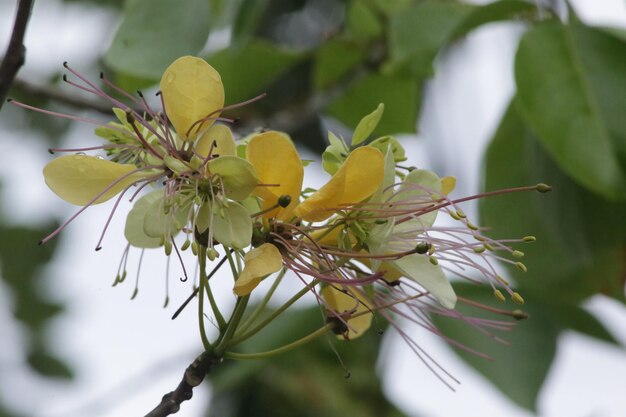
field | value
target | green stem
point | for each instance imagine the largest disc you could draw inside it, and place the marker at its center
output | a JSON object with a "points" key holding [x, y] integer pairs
{"points": [[267, 354], [235, 319], [250, 319], [203, 283], [275, 314]]}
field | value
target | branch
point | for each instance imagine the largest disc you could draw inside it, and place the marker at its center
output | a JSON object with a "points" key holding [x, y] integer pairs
{"points": [[16, 51], [56, 94], [193, 376]]}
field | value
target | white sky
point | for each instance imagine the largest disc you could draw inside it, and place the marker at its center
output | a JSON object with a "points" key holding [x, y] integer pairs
{"points": [[111, 340]]}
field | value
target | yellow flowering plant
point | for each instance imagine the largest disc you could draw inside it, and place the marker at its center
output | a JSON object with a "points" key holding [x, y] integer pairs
{"points": [[364, 244]]}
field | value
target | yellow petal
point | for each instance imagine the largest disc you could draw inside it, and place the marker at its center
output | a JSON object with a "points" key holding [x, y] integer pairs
{"points": [[357, 179], [223, 138], [192, 90], [78, 179], [447, 185], [352, 302], [278, 165], [259, 262]]}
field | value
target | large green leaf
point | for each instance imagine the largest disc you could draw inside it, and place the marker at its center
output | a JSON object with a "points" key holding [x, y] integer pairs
{"points": [[156, 32], [519, 369], [399, 95], [247, 71], [418, 33], [571, 82], [494, 12], [334, 60], [580, 236]]}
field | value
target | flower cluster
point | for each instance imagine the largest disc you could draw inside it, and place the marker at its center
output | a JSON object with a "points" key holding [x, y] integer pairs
{"points": [[364, 242]]}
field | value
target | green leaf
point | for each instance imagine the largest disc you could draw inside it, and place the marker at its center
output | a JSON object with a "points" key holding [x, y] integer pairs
{"points": [[400, 96], [570, 83], [517, 370], [577, 319], [389, 142], [494, 12], [156, 32], [247, 71], [417, 34], [334, 60], [361, 21], [367, 125], [48, 365], [580, 236], [232, 225], [247, 19]]}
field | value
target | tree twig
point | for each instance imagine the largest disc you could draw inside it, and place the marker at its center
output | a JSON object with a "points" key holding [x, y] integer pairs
{"points": [[54, 93], [16, 51], [193, 376]]}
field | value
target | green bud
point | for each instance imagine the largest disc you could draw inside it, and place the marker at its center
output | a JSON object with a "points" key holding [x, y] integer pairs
{"points": [[543, 188], [284, 200], [185, 245]]}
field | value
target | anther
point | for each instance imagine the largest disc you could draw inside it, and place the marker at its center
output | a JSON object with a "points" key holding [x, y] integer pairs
{"points": [[519, 314], [65, 65], [489, 247], [139, 93], [517, 299], [521, 266], [101, 75], [433, 260], [499, 295], [543, 188], [529, 238], [517, 254], [64, 78]]}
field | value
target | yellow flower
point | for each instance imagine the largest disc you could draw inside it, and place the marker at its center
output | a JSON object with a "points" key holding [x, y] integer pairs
{"points": [[280, 169], [259, 262], [344, 304]]}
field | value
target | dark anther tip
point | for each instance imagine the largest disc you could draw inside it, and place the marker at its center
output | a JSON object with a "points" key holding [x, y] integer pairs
{"points": [[50, 151], [98, 248], [9, 100], [65, 64], [139, 93], [101, 75]]}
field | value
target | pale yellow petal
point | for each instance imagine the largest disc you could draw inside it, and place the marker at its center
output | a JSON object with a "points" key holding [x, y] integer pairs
{"points": [[78, 179], [192, 90], [223, 138], [346, 304], [447, 185], [357, 179], [259, 262], [279, 169]]}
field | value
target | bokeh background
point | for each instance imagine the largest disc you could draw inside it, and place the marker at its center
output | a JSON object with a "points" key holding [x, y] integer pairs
{"points": [[499, 94]]}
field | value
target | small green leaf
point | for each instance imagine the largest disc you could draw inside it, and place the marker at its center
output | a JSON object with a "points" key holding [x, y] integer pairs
{"points": [[334, 155], [151, 36], [237, 174], [232, 225], [48, 365], [400, 95], [367, 125], [389, 142], [495, 12]]}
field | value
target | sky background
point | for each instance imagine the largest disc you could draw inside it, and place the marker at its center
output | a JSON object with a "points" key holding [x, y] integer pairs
{"points": [[129, 353]]}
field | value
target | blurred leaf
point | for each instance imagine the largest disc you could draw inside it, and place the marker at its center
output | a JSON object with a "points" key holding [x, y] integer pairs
{"points": [[494, 12], [570, 83], [399, 95], [580, 236], [577, 319], [335, 59], [417, 34], [156, 32], [247, 19], [361, 21], [283, 387], [519, 369], [247, 71], [49, 366]]}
